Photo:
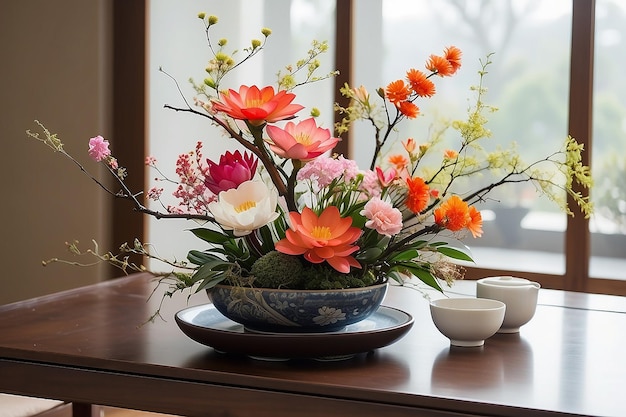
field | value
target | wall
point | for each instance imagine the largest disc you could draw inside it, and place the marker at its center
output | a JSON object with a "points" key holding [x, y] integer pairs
{"points": [[55, 68]]}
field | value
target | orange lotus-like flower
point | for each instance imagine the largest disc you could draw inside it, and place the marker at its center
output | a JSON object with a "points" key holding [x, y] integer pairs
{"points": [[328, 237], [257, 106], [453, 214], [450, 154], [420, 83], [397, 91], [418, 195], [303, 141], [475, 224]]}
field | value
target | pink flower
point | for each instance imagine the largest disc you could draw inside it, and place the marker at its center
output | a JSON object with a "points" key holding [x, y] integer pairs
{"points": [[325, 169], [150, 161], [304, 141], [232, 170], [386, 177], [370, 185], [99, 148], [155, 193], [382, 217]]}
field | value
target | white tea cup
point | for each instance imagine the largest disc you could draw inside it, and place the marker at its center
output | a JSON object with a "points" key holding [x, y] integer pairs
{"points": [[519, 295]]}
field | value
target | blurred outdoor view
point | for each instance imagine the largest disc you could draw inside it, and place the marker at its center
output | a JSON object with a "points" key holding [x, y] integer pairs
{"points": [[528, 82]]}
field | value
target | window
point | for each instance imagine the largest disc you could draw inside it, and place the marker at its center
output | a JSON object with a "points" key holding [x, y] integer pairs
{"points": [[540, 96]]}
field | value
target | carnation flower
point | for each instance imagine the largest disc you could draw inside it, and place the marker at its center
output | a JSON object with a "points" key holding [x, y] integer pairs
{"points": [[382, 217]]}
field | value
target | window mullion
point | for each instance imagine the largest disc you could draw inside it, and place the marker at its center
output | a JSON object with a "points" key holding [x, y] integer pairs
{"points": [[577, 237]]}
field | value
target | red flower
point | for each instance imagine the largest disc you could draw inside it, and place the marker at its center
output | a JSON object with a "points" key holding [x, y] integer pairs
{"points": [[408, 109], [232, 170], [420, 83], [397, 91], [440, 65], [475, 225], [418, 195], [257, 106], [453, 214], [453, 55]]}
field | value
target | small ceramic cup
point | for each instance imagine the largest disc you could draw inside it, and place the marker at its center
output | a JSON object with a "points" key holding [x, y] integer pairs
{"points": [[467, 322], [519, 295]]}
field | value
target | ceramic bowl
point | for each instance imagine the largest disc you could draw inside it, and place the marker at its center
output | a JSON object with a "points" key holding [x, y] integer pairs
{"points": [[467, 322], [281, 310], [519, 295]]}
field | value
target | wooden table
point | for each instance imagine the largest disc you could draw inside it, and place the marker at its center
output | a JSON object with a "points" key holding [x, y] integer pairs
{"points": [[86, 346]]}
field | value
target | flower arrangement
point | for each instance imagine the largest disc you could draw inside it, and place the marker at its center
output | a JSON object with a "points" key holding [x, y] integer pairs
{"points": [[283, 211]]}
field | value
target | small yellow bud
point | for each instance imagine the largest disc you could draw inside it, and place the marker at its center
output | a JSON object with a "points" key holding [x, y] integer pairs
{"points": [[315, 112], [222, 42], [255, 43], [202, 15], [212, 20], [221, 57], [210, 82], [380, 92], [266, 32]]}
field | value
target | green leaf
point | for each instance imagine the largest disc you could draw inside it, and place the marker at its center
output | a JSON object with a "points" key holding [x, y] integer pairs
{"points": [[197, 257], [454, 254], [423, 275], [406, 255], [267, 241], [211, 236]]}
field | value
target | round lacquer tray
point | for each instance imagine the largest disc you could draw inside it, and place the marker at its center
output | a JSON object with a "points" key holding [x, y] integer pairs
{"points": [[207, 326]]}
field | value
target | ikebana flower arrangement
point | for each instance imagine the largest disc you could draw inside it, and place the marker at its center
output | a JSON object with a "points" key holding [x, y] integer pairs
{"points": [[281, 210]]}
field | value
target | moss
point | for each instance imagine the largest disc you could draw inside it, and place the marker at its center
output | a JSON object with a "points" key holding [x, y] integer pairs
{"points": [[276, 270]]}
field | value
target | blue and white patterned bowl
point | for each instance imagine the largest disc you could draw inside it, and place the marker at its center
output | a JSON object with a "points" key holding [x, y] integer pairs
{"points": [[281, 310]]}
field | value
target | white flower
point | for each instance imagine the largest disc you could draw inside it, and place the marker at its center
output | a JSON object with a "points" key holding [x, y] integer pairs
{"points": [[329, 315], [248, 207]]}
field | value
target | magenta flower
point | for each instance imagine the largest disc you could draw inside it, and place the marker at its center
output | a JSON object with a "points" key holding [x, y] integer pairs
{"points": [[232, 170], [382, 217], [99, 148], [303, 141], [387, 176]]}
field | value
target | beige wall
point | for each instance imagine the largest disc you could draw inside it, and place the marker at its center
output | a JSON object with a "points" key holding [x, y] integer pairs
{"points": [[54, 67]]}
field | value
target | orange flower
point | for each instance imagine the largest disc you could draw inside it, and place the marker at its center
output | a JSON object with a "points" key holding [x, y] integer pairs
{"points": [[397, 91], [453, 55], [328, 237], [257, 106], [440, 65], [408, 109], [398, 161], [420, 83], [418, 195], [453, 214], [450, 154], [475, 224], [409, 145]]}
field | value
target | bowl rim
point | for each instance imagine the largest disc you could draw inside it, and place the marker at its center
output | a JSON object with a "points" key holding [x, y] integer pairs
{"points": [[486, 304], [289, 290]]}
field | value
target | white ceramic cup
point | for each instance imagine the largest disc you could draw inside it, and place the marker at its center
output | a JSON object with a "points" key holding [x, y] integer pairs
{"points": [[467, 322], [519, 295]]}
